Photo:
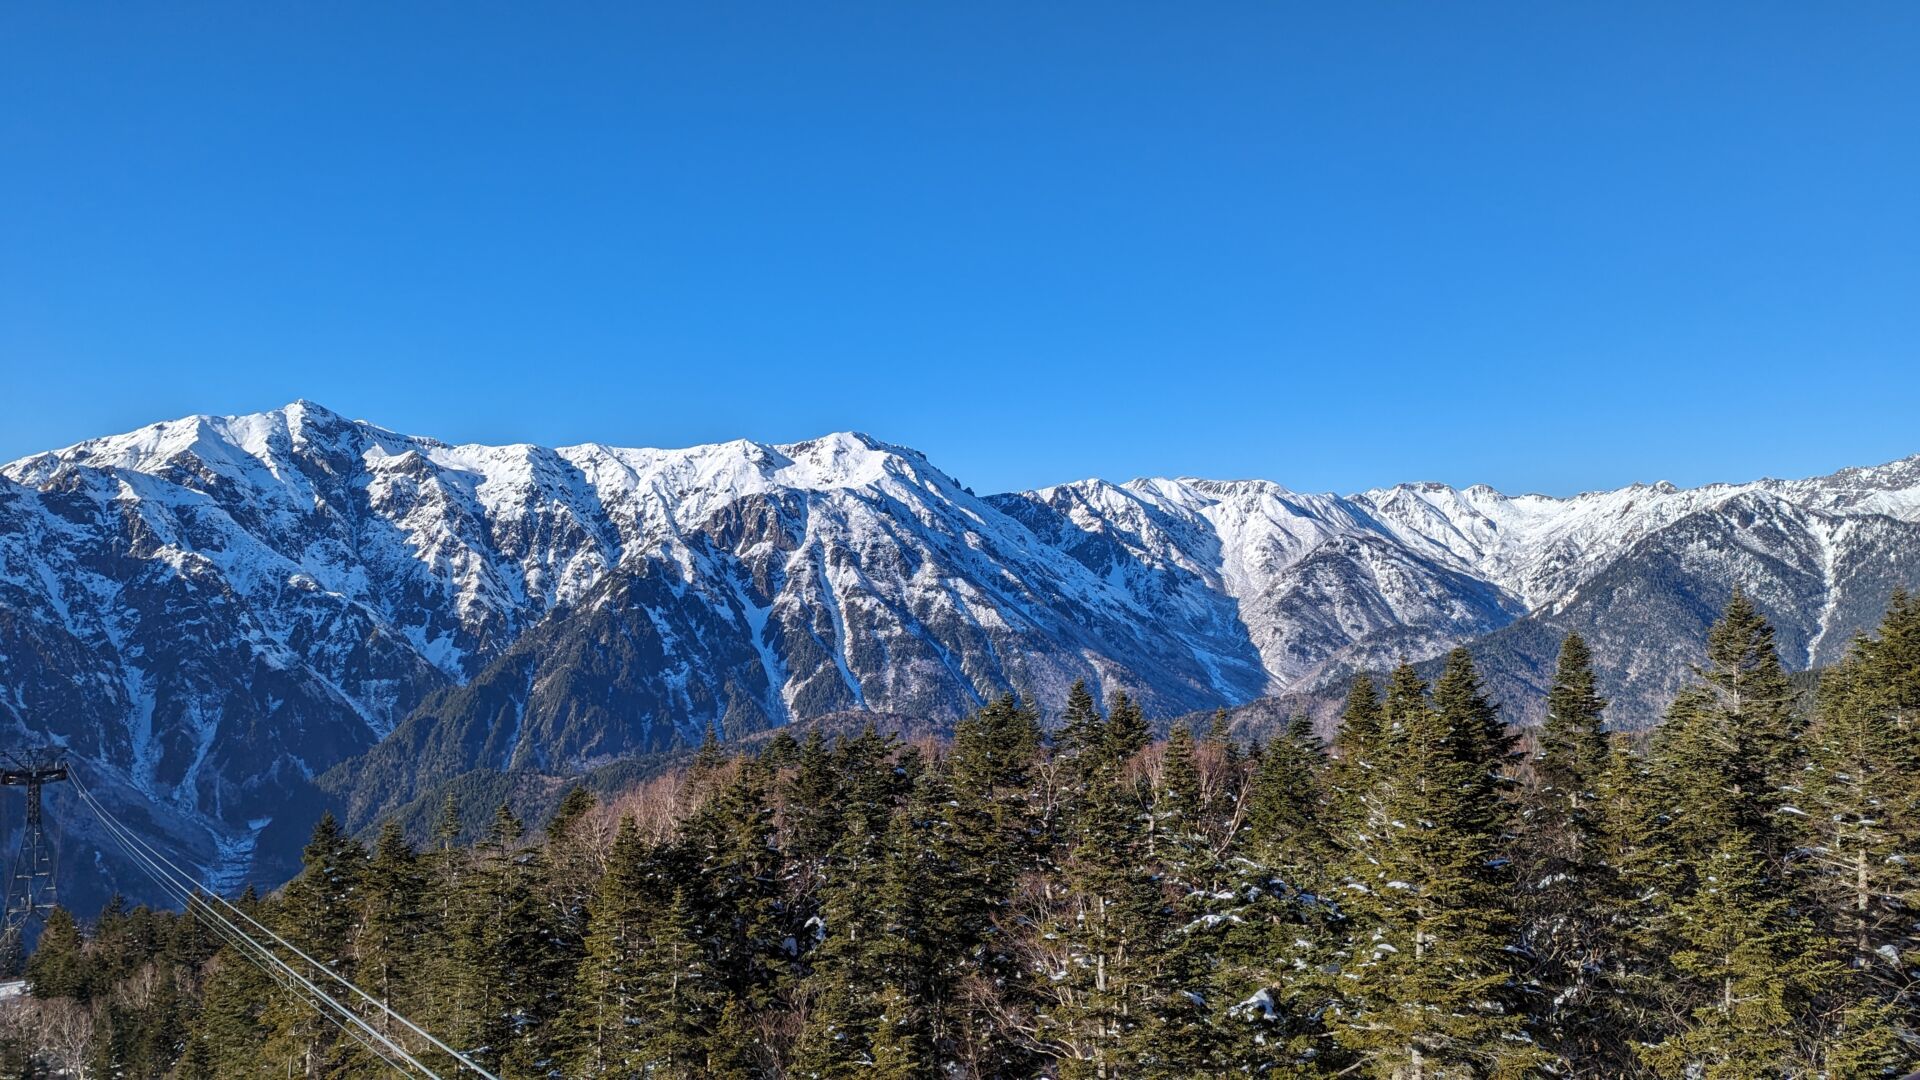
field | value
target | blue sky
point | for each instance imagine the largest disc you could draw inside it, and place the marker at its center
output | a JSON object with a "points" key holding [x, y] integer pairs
{"points": [[1544, 246]]}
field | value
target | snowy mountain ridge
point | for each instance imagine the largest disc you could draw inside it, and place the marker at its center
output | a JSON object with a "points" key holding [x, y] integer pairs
{"points": [[212, 609]]}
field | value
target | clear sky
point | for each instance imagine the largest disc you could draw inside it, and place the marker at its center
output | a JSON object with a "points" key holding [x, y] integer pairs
{"points": [[1545, 246]]}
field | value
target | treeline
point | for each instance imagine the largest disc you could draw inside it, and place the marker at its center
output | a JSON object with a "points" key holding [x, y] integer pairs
{"points": [[1736, 898]]}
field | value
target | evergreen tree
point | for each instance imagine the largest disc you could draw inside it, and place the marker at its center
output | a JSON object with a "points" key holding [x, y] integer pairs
{"points": [[1286, 818], [449, 827], [1262, 939], [317, 912], [708, 759], [934, 935], [781, 751], [1177, 837], [737, 893], [734, 1050], [810, 797], [1720, 941], [1220, 732], [389, 939], [1573, 745], [570, 865], [1428, 981], [842, 990], [988, 839], [1097, 988], [1861, 826], [1569, 896], [230, 1031], [1861, 819], [870, 782], [1749, 684], [900, 1050], [693, 1027], [1730, 744], [603, 1039], [1463, 704], [1362, 746], [1180, 1037], [574, 805], [1126, 732], [1753, 966], [58, 967], [1081, 730], [498, 988]]}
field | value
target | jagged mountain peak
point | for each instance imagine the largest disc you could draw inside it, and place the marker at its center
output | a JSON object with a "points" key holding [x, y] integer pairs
{"points": [[226, 445], [833, 460], [211, 608]]}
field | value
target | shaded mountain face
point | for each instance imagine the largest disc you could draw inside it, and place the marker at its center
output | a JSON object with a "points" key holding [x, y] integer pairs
{"points": [[211, 614]]}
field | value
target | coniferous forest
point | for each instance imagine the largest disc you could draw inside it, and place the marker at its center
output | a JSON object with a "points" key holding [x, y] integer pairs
{"points": [[1434, 895]]}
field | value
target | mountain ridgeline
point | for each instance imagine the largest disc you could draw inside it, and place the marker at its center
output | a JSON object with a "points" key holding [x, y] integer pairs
{"points": [[232, 622]]}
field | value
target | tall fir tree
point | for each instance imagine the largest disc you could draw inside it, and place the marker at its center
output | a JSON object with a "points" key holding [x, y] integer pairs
{"points": [[602, 1038], [738, 907], [1428, 987], [689, 1026], [1097, 985], [989, 840], [1731, 743], [1286, 811], [1126, 732], [58, 966], [1753, 968], [1569, 895], [1362, 748], [1464, 705], [1750, 685], [393, 931], [318, 912], [1082, 729], [847, 966], [1860, 829]]}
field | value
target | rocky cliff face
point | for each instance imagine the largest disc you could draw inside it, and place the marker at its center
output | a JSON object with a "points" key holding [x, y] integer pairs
{"points": [[211, 612]]}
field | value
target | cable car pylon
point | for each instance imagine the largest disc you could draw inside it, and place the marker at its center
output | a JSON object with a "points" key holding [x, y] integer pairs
{"points": [[32, 885]]}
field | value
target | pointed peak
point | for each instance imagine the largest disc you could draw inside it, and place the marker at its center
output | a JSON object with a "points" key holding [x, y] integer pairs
{"points": [[844, 442], [308, 407], [850, 459]]}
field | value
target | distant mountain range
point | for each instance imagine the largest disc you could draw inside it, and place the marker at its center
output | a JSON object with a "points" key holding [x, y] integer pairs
{"points": [[230, 622]]}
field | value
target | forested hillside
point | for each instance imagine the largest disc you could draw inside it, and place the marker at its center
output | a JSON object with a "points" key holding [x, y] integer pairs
{"points": [[1731, 896]]}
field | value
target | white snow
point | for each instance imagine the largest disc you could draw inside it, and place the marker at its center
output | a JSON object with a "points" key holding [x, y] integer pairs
{"points": [[444, 553]]}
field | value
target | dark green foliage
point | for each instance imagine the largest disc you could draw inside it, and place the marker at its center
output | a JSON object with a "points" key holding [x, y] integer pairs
{"points": [[317, 912], [1286, 812], [1739, 900], [1081, 729], [1127, 731], [1362, 747], [1570, 897], [1573, 745], [1427, 978], [573, 806], [58, 968], [394, 934], [1752, 966], [781, 750], [1862, 816]]}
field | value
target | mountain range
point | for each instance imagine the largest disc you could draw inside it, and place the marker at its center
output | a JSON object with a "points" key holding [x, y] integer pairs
{"points": [[230, 622]]}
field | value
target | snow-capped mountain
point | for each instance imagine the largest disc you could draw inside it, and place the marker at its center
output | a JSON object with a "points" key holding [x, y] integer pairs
{"points": [[211, 612]]}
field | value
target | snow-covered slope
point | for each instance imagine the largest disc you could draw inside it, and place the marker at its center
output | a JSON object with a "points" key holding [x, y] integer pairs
{"points": [[211, 611]]}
